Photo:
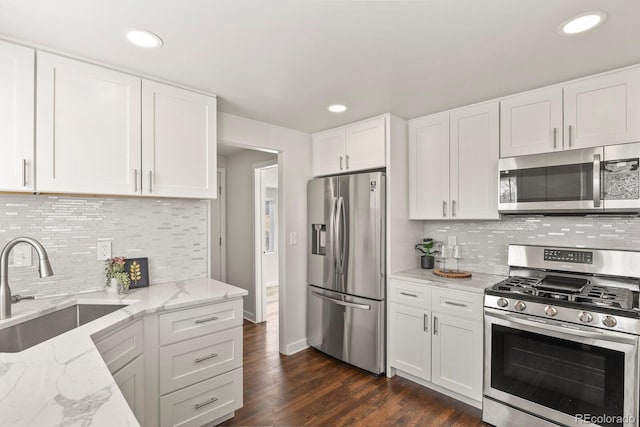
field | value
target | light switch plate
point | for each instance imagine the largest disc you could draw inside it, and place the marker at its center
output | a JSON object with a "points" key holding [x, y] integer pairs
{"points": [[103, 250], [22, 256], [293, 238]]}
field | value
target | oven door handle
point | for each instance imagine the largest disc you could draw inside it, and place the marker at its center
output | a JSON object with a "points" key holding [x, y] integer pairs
{"points": [[544, 324]]}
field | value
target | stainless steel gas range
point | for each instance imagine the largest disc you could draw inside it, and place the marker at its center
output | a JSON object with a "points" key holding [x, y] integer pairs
{"points": [[561, 339]]}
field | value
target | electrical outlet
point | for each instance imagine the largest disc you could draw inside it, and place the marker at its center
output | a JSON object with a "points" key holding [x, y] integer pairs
{"points": [[21, 256], [103, 249]]}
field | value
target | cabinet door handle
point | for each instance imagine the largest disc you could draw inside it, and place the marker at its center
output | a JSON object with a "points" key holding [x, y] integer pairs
{"points": [[205, 403], [435, 325], [444, 209], [453, 208], [456, 304], [203, 358], [346, 161], [24, 172], [555, 137], [407, 294], [208, 319], [341, 162], [135, 180], [150, 182], [570, 135], [426, 322]]}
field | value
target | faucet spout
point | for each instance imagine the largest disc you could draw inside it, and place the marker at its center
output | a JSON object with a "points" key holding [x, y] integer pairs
{"points": [[44, 268]]}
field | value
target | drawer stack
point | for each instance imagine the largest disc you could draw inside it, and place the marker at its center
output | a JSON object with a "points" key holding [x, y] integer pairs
{"points": [[200, 361]]}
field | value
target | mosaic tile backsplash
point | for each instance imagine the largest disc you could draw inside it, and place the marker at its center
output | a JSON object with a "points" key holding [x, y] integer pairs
{"points": [[172, 233], [484, 243]]}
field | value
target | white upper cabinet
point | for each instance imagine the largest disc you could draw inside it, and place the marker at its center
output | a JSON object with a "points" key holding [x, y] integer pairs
{"points": [[178, 142], [104, 132], [531, 123], [328, 152], [591, 112], [16, 118], [88, 128], [603, 110], [474, 144], [453, 164], [429, 167], [359, 146], [365, 145]]}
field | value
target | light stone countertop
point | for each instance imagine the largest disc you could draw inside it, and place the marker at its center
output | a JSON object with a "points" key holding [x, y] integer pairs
{"points": [[477, 283], [64, 381]]}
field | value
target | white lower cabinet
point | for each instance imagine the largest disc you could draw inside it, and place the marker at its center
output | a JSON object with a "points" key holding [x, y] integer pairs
{"points": [[181, 367], [200, 364], [435, 337], [456, 362], [130, 380], [410, 340]]}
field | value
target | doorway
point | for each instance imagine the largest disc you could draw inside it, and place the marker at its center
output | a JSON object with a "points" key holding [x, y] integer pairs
{"points": [[266, 242]]}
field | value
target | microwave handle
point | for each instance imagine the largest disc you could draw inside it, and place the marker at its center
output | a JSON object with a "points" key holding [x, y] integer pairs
{"points": [[596, 180]]}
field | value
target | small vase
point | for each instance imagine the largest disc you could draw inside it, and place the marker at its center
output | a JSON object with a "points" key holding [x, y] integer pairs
{"points": [[427, 261], [113, 287]]}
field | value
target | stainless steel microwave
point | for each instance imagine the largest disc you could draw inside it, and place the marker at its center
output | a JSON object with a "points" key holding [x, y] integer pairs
{"points": [[590, 180]]}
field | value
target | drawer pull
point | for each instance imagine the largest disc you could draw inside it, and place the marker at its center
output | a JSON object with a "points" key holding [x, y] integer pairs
{"points": [[406, 294], [456, 304], [208, 319], [205, 403], [203, 358]]}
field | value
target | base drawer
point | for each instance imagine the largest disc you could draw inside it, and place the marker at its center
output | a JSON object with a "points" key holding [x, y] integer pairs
{"points": [[204, 402], [194, 322], [188, 362]]}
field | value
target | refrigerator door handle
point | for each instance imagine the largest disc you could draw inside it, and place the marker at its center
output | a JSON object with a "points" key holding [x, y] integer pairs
{"points": [[339, 302], [342, 233], [334, 227]]}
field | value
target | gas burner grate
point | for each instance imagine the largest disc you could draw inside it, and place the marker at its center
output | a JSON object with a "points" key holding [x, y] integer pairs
{"points": [[606, 296]]}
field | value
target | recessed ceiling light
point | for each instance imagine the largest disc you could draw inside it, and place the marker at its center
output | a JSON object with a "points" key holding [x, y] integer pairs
{"points": [[142, 38], [581, 23], [337, 108]]}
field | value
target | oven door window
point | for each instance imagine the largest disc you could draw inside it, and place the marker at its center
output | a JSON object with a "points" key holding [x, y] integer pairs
{"points": [[547, 184], [563, 375]]}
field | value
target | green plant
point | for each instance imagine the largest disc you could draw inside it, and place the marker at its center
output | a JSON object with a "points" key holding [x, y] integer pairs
{"points": [[427, 247], [115, 270]]}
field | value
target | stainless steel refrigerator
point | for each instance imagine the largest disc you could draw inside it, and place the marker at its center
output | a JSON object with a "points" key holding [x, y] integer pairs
{"points": [[347, 268]]}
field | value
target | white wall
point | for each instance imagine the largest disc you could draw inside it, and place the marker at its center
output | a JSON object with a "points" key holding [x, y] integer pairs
{"points": [[240, 223], [294, 160], [403, 233]]}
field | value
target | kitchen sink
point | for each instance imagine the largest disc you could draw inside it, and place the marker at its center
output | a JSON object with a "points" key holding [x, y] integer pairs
{"points": [[27, 334]]}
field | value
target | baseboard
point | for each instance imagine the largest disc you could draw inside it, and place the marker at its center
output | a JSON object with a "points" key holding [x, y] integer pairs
{"points": [[249, 316], [439, 389], [296, 347]]}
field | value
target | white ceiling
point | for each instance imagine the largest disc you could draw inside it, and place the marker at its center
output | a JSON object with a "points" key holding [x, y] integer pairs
{"points": [[284, 61]]}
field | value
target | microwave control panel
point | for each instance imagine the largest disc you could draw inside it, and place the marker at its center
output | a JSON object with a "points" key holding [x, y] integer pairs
{"points": [[578, 257]]}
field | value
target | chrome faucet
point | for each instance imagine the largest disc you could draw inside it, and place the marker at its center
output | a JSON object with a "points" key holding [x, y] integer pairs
{"points": [[44, 268]]}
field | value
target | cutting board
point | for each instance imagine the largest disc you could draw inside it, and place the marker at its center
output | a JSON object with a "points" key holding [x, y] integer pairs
{"points": [[450, 274]]}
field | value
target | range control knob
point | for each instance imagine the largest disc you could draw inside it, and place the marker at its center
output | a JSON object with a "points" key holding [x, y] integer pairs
{"points": [[502, 302], [585, 317], [609, 321], [520, 306], [550, 310]]}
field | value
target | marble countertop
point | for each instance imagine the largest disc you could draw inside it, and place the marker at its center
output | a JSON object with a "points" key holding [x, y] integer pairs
{"points": [[64, 381], [476, 283]]}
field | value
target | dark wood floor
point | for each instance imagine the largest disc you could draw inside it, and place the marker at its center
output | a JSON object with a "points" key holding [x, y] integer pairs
{"points": [[310, 388]]}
